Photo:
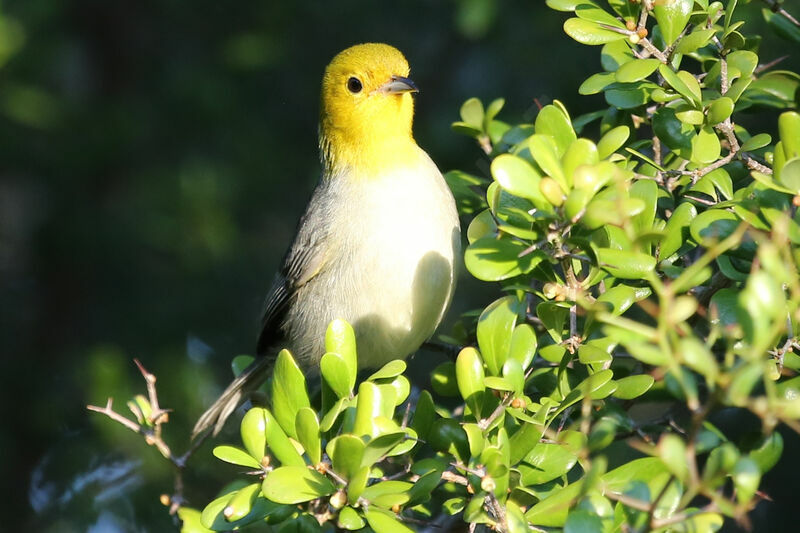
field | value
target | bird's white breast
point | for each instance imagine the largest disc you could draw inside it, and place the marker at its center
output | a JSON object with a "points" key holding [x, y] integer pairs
{"points": [[391, 269]]}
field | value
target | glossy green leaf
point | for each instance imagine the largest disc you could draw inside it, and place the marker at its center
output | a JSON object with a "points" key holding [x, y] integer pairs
{"points": [[580, 152], [545, 152], [288, 391], [719, 110], [612, 141], [308, 434], [631, 387], [389, 370], [706, 147], [253, 432], [385, 522], [336, 374], [494, 330], [443, 379], [581, 521], [672, 450], [713, 225], [768, 452], [341, 339], [699, 38], [493, 259], [625, 265], [236, 456], [591, 33], [472, 113], [782, 25], [746, 477], [597, 83], [469, 375], [636, 70], [296, 484], [756, 141], [675, 134], [518, 177], [676, 232], [523, 345], [672, 17], [552, 120], [346, 452], [349, 519], [699, 358], [789, 129], [278, 442], [690, 93], [368, 407]]}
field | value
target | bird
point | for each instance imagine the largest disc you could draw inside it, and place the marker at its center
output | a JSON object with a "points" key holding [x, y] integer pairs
{"points": [[379, 242]]}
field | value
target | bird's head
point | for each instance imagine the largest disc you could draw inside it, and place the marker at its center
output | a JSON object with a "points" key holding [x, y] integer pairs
{"points": [[367, 106]]}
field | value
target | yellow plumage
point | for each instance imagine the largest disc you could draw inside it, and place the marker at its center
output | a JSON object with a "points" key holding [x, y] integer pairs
{"points": [[380, 238]]}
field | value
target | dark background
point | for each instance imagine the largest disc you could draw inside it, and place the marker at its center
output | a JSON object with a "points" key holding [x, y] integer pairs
{"points": [[154, 159]]}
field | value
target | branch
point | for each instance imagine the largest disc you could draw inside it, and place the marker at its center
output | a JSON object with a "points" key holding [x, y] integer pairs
{"points": [[151, 431]]}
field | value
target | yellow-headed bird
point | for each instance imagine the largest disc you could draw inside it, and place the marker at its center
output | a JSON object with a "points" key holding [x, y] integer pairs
{"points": [[378, 243]]}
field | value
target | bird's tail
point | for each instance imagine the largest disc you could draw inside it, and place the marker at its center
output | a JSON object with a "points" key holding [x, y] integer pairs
{"points": [[234, 395]]}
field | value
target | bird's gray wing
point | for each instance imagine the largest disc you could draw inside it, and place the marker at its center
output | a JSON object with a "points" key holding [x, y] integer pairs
{"points": [[305, 259]]}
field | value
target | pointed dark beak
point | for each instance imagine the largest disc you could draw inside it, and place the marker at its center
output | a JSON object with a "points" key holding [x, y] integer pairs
{"points": [[399, 85]]}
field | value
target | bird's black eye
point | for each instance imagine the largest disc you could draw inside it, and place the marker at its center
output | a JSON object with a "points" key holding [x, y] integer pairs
{"points": [[354, 85]]}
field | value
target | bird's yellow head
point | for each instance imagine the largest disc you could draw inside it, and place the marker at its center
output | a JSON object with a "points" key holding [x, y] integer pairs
{"points": [[367, 109]]}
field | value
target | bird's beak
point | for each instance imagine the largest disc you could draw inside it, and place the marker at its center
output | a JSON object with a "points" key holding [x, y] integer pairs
{"points": [[399, 85]]}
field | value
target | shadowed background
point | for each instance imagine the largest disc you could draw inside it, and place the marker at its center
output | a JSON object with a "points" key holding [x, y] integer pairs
{"points": [[154, 159]]}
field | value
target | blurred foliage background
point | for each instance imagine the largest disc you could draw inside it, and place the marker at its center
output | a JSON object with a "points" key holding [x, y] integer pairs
{"points": [[154, 159]]}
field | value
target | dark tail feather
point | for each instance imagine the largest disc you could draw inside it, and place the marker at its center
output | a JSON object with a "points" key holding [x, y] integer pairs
{"points": [[249, 380]]}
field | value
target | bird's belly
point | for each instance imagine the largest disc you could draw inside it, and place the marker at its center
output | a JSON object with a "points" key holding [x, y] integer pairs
{"points": [[394, 273]]}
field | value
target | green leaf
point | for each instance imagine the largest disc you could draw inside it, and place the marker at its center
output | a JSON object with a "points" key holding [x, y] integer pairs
{"points": [[191, 521], [241, 504], [385, 522], [789, 129], [782, 26], [470, 375], [341, 339], [336, 374], [346, 452], [719, 110], [288, 391], [580, 152], [236, 456], [253, 432], [675, 134], [756, 141], [647, 191], [624, 264], [523, 345], [472, 113], [552, 120], [631, 387], [580, 521], [308, 434], [591, 33], [443, 379], [518, 177], [743, 61], [590, 11], [389, 370], [768, 452], [493, 259], [494, 330], [368, 406], [699, 358], [746, 477], [705, 146], [678, 82], [596, 83], [545, 152], [277, 441], [553, 316], [349, 519], [672, 17], [296, 484], [424, 414], [612, 141], [636, 70], [713, 225], [676, 232], [672, 450], [699, 38], [629, 95]]}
